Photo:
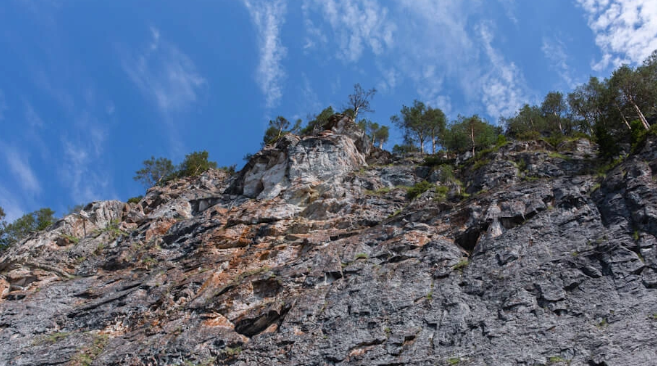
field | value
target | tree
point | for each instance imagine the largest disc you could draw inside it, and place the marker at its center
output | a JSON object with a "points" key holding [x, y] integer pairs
{"points": [[369, 127], [470, 133], [154, 171], [413, 124], [587, 102], [23, 226], [280, 124], [382, 134], [529, 119], [435, 121], [631, 88], [359, 101], [195, 164], [279, 128], [318, 121], [554, 107]]}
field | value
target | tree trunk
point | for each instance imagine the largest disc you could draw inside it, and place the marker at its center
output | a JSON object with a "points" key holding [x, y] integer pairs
{"points": [[381, 144], [624, 119], [433, 145], [559, 122], [420, 137], [641, 116]]}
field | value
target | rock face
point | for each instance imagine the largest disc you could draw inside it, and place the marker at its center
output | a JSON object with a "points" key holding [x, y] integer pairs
{"points": [[309, 256]]}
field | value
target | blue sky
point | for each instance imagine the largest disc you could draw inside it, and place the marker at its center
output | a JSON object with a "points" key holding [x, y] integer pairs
{"points": [[90, 89]]}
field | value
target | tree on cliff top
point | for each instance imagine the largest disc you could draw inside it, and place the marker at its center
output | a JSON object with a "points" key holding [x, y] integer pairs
{"points": [[359, 101], [23, 226], [154, 171]]}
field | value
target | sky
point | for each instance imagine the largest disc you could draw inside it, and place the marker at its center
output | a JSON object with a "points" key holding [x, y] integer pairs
{"points": [[91, 89]]}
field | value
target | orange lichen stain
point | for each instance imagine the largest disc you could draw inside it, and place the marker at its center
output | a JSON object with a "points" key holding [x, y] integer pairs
{"points": [[360, 351], [217, 320], [271, 329], [158, 228], [298, 331]]}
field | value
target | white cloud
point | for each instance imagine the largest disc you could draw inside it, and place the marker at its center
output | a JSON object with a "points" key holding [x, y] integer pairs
{"points": [[20, 166], [625, 30], [503, 84], [165, 74], [10, 205], [554, 51], [355, 24], [32, 118], [443, 102], [268, 18], [86, 183]]}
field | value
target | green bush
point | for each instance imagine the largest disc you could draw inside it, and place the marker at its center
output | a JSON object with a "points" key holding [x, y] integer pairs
{"points": [[418, 189], [609, 148], [434, 160], [135, 199], [446, 173], [529, 136], [639, 135]]}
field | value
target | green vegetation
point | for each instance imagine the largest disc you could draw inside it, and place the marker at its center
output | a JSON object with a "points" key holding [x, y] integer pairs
{"points": [[11, 233], [556, 359], [52, 338], [87, 355], [71, 239], [454, 360], [278, 128], [228, 351], [375, 132], [161, 170], [418, 189], [441, 193], [460, 266], [361, 256], [135, 199], [379, 192]]}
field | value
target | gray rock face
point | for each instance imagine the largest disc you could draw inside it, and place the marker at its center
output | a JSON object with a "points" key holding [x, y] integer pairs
{"points": [[311, 257]]}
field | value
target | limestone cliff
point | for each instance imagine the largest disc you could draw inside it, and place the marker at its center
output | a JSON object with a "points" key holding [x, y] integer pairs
{"points": [[314, 255]]}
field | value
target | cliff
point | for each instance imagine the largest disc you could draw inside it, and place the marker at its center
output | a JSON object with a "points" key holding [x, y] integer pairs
{"points": [[314, 254]]}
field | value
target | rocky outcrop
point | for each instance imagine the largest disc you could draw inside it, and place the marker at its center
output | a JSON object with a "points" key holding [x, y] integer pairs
{"points": [[310, 256]]}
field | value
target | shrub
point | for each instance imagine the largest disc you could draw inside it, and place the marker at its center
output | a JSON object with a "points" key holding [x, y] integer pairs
{"points": [[446, 173], [135, 199], [609, 148], [441, 193], [639, 135], [195, 164], [434, 160], [418, 189], [461, 265], [529, 135]]}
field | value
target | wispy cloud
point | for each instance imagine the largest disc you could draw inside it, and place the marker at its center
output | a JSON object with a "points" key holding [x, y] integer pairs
{"points": [[268, 18], [555, 51], [164, 74], [18, 163], [85, 181], [355, 24], [503, 84], [625, 30], [32, 118], [10, 204]]}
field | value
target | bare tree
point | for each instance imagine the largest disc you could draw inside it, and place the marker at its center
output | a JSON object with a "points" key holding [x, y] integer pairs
{"points": [[359, 101]]}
